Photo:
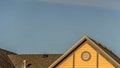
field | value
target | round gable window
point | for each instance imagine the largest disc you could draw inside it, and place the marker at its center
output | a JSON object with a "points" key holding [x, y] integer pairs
{"points": [[85, 56]]}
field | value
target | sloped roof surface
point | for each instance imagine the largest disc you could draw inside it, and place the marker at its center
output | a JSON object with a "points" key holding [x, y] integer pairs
{"points": [[108, 51], [34, 60], [4, 59]]}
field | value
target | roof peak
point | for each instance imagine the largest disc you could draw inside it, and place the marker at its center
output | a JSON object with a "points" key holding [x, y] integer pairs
{"points": [[96, 45]]}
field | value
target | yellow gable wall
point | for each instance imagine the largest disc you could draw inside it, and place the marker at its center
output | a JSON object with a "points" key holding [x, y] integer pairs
{"points": [[79, 63], [103, 63], [67, 63]]}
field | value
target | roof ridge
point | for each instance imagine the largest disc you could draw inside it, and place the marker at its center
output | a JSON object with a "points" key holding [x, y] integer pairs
{"points": [[107, 50], [35, 54], [6, 51]]}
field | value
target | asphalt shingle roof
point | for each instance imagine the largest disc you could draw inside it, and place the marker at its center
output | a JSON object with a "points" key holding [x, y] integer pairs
{"points": [[12, 60], [34, 60], [4, 59]]}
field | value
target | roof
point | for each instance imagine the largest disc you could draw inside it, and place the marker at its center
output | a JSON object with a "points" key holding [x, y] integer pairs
{"points": [[108, 51], [105, 52], [12, 60], [4, 59], [34, 60]]}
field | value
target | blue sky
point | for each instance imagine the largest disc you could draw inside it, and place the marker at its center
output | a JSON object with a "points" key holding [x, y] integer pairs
{"points": [[53, 26]]}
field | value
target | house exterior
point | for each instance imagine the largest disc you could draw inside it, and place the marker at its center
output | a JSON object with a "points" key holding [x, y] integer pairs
{"points": [[86, 53]]}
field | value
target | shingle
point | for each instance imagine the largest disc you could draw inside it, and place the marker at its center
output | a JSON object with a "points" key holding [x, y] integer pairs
{"points": [[108, 51], [34, 60], [4, 59]]}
